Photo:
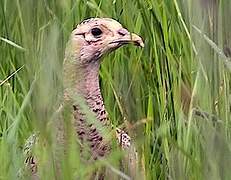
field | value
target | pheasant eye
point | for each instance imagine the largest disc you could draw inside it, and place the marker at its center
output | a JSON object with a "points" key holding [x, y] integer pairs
{"points": [[96, 32]]}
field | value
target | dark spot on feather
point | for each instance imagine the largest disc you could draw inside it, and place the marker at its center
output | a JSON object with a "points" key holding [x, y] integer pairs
{"points": [[92, 145], [75, 108], [95, 110], [95, 138], [27, 159], [80, 133], [101, 153], [104, 148], [93, 130], [102, 112]]}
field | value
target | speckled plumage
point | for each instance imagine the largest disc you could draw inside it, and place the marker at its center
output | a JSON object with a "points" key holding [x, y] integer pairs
{"points": [[81, 79]]}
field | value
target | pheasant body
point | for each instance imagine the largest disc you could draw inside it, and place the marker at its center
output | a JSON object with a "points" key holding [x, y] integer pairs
{"points": [[88, 43], [91, 40]]}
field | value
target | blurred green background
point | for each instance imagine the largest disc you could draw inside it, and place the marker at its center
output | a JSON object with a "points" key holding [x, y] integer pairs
{"points": [[173, 96]]}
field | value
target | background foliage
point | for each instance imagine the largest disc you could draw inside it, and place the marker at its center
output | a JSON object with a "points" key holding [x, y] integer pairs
{"points": [[173, 96]]}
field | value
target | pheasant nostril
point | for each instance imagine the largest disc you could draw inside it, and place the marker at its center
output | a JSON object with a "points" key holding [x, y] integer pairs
{"points": [[122, 32]]}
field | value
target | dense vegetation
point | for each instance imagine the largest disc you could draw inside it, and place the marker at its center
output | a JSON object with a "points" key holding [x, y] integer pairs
{"points": [[173, 96]]}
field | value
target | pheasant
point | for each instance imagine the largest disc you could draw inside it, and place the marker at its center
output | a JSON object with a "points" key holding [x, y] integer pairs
{"points": [[88, 43]]}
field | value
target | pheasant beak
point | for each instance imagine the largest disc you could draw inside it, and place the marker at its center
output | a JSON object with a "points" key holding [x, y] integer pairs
{"points": [[137, 40]]}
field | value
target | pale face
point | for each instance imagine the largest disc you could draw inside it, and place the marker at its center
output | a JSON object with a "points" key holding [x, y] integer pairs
{"points": [[93, 38]]}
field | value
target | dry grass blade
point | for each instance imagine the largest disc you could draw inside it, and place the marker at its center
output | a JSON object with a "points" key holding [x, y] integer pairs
{"points": [[219, 51], [12, 44], [10, 76]]}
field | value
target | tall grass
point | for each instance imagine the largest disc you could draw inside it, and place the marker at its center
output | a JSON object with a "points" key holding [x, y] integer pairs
{"points": [[173, 96]]}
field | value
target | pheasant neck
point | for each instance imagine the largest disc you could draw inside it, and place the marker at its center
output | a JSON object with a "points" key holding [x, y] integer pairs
{"points": [[86, 83], [92, 93], [84, 80]]}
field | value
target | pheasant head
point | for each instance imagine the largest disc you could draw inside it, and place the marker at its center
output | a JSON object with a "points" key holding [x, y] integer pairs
{"points": [[95, 37]]}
